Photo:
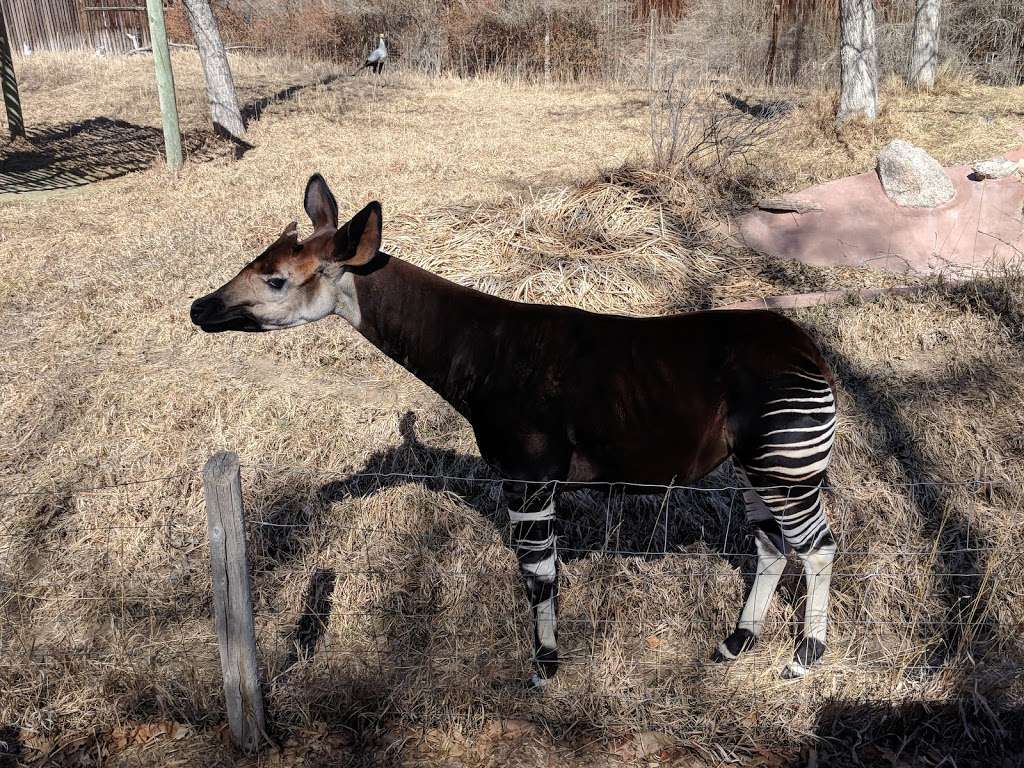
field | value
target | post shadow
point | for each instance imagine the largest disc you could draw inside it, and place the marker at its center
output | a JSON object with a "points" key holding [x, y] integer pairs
{"points": [[316, 610]]}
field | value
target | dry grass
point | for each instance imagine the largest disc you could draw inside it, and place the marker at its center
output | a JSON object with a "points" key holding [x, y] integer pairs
{"points": [[106, 617]]}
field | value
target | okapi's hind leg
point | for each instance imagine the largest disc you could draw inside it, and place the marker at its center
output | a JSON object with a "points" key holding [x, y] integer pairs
{"points": [[783, 467], [818, 575], [786, 519], [771, 562], [531, 510], [798, 516]]}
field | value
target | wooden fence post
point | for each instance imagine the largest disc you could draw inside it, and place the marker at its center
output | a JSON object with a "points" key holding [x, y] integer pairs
{"points": [[232, 601], [9, 83], [165, 83]]}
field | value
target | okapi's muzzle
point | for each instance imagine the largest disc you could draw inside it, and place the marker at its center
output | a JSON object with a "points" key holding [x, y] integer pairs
{"points": [[214, 316]]}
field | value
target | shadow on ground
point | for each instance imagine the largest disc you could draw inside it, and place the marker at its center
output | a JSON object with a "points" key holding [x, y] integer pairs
{"points": [[255, 108], [614, 522], [958, 732], [765, 110], [71, 155]]}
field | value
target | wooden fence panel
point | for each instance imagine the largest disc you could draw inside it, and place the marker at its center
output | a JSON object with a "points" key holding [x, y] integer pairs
{"points": [[68, 25]]}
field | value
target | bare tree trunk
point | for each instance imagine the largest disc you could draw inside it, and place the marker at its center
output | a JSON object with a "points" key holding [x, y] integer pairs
{"points": [[220, 86], [652, 50], [858, 94], [924, 48], [773, 45], [547, 45]]}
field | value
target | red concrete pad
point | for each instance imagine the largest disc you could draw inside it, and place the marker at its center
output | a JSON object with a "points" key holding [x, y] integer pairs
{"points": [[981, 228]]}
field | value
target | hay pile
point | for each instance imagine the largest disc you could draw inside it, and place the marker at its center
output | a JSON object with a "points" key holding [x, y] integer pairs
{"points": [[390, 623]]}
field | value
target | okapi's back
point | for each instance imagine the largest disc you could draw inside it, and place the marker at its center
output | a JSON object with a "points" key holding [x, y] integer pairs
{"points": [[662, 398]]}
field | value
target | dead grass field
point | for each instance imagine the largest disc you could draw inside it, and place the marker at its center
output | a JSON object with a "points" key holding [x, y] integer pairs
{"points": [[389, 617]]}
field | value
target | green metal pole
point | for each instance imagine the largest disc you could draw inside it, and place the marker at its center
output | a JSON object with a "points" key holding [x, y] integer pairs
{"points": [[10, 83], [165, 83]]}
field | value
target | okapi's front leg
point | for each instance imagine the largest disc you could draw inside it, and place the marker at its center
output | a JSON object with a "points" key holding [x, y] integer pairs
{"points": [[531, 510]]}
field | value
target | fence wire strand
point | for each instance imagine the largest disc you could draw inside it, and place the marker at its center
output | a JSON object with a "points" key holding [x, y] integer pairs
{"points": [[163, 603]]}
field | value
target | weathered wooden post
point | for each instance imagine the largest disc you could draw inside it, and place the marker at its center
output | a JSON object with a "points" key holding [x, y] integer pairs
{"points": [[165, 83], [9, 83], [232, 601]]}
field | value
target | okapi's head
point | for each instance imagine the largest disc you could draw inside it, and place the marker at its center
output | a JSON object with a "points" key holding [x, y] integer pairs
{"points": [[294, 281]]}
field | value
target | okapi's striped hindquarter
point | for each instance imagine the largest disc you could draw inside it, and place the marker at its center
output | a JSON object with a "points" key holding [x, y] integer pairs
{"points": [[556, 394]]}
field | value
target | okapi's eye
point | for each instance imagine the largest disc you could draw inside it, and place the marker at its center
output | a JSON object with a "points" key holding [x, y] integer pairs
{"points": [[277, 283]]}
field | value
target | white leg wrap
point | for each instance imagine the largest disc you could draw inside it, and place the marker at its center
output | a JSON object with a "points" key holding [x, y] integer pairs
{"points": [[818, 574], [770, 565], [545, 617]]}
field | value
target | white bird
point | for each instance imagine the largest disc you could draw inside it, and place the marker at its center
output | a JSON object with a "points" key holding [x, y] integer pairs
{"points": [[376, 58], [26, 49]]}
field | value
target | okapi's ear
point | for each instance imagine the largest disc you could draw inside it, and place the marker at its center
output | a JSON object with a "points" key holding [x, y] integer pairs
{"points": [[358, 241], [320, 203]]}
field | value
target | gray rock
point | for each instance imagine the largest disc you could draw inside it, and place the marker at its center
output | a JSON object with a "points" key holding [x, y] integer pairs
{"points": [[995, 168], [912, 177]]}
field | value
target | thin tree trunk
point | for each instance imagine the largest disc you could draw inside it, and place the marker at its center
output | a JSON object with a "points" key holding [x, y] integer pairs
{"points": [[797, 54], [858, 94], [220, 86], [924, 48], [652, 43], [547, 46], [773, 45]]}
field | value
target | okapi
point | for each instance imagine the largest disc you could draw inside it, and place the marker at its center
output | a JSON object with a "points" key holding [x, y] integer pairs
{"points": [[559, 395]]}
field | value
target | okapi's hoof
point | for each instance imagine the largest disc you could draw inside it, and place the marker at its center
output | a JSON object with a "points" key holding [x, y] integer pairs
{"points": [[808, 653], [537, 683], [546, 664], [729, 649]]}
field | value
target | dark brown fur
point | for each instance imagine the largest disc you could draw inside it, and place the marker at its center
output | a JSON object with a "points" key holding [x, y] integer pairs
{"points": [[556, 393]]}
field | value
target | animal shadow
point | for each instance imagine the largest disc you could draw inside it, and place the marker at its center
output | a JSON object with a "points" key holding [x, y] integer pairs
{"points": [[614, 521]]}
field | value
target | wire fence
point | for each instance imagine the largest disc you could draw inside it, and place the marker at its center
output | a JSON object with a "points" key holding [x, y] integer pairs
{"points": [[406, 581]]}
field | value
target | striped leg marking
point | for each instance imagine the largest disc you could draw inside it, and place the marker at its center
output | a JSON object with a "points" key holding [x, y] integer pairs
{"points": [[535, 542]]}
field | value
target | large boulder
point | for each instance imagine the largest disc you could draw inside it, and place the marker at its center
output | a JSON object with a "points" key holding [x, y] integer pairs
{"points": [[913, 178]]}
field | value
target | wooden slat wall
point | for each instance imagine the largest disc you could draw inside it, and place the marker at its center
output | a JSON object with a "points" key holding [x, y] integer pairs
{"points": [[65, 25]]}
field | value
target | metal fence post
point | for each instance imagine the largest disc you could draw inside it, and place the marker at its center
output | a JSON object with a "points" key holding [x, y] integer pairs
{"points": [[165, 83]]}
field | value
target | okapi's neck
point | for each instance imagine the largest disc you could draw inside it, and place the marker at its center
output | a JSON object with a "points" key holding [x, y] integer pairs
{"points": [[424, 323]]}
